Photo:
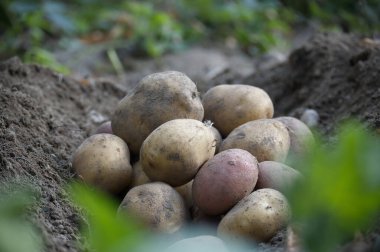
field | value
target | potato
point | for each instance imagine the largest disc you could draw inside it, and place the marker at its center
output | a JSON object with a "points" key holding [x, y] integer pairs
{"points": [[103, 160], [157, 205], [266, 139], [300, 134], [229, 106], [158, 98], [224, 180], [258, 216], [218, 139], [276, 175], [138, 175], [175, 151], [186, 192], [104, 128], [203, 243]]}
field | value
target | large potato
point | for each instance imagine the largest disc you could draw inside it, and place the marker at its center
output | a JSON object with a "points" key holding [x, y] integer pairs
{"points": [[157, 205], [300, 135], [102, 160], [229, 106], [158, 98], [258, 216], [266, 139], [175, 151], [276, 175], [224, 180]]}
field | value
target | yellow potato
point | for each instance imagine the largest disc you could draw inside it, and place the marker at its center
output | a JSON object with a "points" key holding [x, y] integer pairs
{"points": [[157, 205], [258, 216], [103, 160], [158, 98], [229, 106], [175, 151], [266, 139]]}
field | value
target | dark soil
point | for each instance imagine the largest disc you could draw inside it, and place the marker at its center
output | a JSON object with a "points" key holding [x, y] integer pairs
{"points": [[44, 116]]}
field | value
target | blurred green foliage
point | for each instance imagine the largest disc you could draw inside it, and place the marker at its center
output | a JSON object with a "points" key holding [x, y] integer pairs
{"points": [[35, 29], [105, 231], [16, 233], [341, 190]]}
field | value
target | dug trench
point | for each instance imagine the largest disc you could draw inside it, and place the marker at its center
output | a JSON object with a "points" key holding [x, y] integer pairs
{"points": [[44, 116]]}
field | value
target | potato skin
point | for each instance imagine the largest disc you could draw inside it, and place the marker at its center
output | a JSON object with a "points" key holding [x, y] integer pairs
{"points": [[276, 175], [224, 180], [158, 98], [259, 216], [175, 151], [229, 106], [300, 134], [186, 192], [266, 139], [138, 175], [157, 205], [103, 160]]}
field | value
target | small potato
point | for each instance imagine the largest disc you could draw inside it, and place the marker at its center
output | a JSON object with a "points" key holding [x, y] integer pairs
{"points": [[300, 135], [218, 138], [258, 216], [103, 160], [186, 191], [224, 180], [138, 175], [158, 98], [104, 128], [175, 151], [266, 139], [157, 205], [276, 175], [229, 106], [203, 243]]}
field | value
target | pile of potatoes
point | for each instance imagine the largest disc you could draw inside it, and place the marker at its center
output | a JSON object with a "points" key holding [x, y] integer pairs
{"points": [[196, 159]]}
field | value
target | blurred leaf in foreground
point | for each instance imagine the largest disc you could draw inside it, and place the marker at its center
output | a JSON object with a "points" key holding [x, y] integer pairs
{"points": [[341, 190], [106, 231], [16, 233]]}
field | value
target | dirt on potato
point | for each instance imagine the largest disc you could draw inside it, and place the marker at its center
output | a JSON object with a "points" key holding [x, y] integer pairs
{"points": [[44, 116]]}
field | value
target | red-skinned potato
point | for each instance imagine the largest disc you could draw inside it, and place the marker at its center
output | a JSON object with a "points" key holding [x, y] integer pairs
{"points": [[175, 151], [229, 106], [258, 216], [224, 180], [276, 175], [300, 135], [266, 139], [102, 160]]}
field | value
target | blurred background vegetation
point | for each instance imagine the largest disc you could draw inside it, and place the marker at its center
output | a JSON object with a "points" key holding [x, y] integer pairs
{"points": [[37, 30]]}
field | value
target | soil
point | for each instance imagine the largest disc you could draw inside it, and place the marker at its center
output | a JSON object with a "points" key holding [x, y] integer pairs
{"points": [[44, 116]]}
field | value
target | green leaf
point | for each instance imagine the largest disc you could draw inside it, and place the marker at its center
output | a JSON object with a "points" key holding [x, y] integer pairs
{"points": [[106, 231]]}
